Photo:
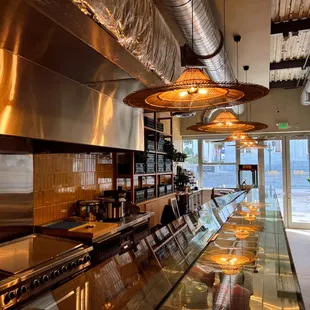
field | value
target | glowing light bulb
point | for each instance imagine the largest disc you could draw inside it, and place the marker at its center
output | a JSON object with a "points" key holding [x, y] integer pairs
{"points": [[192, 90], [229, 123], [234, 137], [224, 259], [219, 124], [242, 137], [202, 91], [183, 93]]}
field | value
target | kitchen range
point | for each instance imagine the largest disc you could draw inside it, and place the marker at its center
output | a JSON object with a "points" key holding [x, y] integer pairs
{"points": [[33, 264]]}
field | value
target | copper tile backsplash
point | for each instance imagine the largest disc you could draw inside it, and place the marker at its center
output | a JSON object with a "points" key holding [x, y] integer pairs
{"points": [[62, 179]]}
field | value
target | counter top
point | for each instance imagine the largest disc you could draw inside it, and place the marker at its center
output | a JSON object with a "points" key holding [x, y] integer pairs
{"points": [[222, 258], [103, 229]]}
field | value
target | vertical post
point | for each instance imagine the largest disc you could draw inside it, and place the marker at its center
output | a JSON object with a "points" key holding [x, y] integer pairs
{"points": [[237, 166], [115, 170], [156, 150], [200, 162], [261, 167], [132, 175]]}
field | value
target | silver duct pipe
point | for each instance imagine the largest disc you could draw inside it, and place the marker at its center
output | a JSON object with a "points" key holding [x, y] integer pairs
{"points": [[206, 117], [208, 42]]}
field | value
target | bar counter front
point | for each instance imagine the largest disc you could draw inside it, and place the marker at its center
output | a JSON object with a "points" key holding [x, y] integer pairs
{"points": [[232, 253]]}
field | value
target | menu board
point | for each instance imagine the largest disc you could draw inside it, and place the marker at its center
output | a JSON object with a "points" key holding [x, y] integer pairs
{"points": [[184, 237], [169, 254], [162, 234]]}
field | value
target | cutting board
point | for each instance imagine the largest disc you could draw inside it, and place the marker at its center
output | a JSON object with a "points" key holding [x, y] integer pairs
{"points": [[93, 230], [79, 230]]}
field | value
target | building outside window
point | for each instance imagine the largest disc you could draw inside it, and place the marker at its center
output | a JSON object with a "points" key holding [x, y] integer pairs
{"points": [[190, 148]]}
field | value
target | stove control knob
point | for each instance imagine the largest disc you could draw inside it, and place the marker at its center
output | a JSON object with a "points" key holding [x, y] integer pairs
{"points": [[63, 269], [55, 274], [72, 265], [35, 283], [87, 258], [22, 290], [79, 262], [45, 279], [9, 296]]}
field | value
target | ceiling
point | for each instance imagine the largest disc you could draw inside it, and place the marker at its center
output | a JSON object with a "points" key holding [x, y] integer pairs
{"points": [[289, 44], [254, 48], [275, 38]]}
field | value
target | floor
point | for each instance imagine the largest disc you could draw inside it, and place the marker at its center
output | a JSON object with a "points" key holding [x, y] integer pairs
{"points": [[300, 247]]}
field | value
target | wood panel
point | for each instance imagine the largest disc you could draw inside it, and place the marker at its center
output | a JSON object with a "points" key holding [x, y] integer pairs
{"points": [[156, 206]]}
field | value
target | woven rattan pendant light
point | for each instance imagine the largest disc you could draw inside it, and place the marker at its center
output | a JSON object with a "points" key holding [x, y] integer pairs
{"points": [[195, 91], [226, 122]]}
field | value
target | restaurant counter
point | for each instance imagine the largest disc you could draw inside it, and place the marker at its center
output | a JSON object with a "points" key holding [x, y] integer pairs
{"points": [[226, 256]]}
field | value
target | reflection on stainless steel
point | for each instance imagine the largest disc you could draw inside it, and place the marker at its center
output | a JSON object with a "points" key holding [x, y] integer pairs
{"points": [[58, 36], [140, 28], [25, 253], [46, 105], [16, 194]]}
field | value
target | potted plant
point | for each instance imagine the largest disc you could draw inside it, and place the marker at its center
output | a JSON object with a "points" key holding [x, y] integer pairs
{"points": [[172, 153], [182, 157]]}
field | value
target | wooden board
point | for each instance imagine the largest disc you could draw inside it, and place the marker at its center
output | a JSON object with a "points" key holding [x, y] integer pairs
{"points": [[93, 230], [83, 231]]}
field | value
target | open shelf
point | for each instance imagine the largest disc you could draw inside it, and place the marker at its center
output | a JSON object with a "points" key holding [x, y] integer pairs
{"points": [[124, 176], [149, 129], [163, 173], [161, 153], [145, 174]]}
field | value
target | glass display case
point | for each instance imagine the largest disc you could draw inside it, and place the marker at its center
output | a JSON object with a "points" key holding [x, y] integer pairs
{"points": [[223, 256]]}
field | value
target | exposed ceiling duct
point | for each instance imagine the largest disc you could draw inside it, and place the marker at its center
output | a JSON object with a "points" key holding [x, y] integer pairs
{"points": [[139, 27], [196, 21], [200, 31]]}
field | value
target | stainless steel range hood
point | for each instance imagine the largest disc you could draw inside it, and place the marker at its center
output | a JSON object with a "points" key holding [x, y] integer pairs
{"points": [[63, 77]]}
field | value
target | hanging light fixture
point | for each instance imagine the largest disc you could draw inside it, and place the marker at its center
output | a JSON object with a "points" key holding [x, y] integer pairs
{"points": [[195, 91], [230, 261], [249, 216], [226, 122]]}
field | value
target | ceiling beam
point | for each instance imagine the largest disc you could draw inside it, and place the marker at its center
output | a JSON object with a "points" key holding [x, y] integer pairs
{"points": [[290, 26], [287, 64], [286, 84]]}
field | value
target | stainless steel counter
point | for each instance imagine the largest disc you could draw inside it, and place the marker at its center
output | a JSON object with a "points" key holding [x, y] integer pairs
{"points": [[126, 222]]}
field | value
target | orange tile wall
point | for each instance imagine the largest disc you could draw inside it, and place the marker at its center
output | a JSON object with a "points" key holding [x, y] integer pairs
{"points": [[62, 179]]}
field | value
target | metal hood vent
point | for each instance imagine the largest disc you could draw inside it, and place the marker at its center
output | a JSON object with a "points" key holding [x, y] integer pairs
{"points": [[140, 28], [63, 77]]}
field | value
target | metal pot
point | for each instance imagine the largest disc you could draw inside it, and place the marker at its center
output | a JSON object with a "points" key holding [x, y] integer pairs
{"points": [[88, 210], [113, 209]]}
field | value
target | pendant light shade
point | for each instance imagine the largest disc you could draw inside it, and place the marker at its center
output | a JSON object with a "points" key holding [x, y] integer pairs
{"points": [[194, 91], [226, 122], [229, 261]]}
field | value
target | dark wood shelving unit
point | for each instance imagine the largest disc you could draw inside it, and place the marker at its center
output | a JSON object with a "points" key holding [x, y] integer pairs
{"points": [[130, 175]]}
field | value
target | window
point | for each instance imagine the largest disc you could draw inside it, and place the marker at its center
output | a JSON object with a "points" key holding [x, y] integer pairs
{"points": [[190, 148], [219, 164], [249, 156]]}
